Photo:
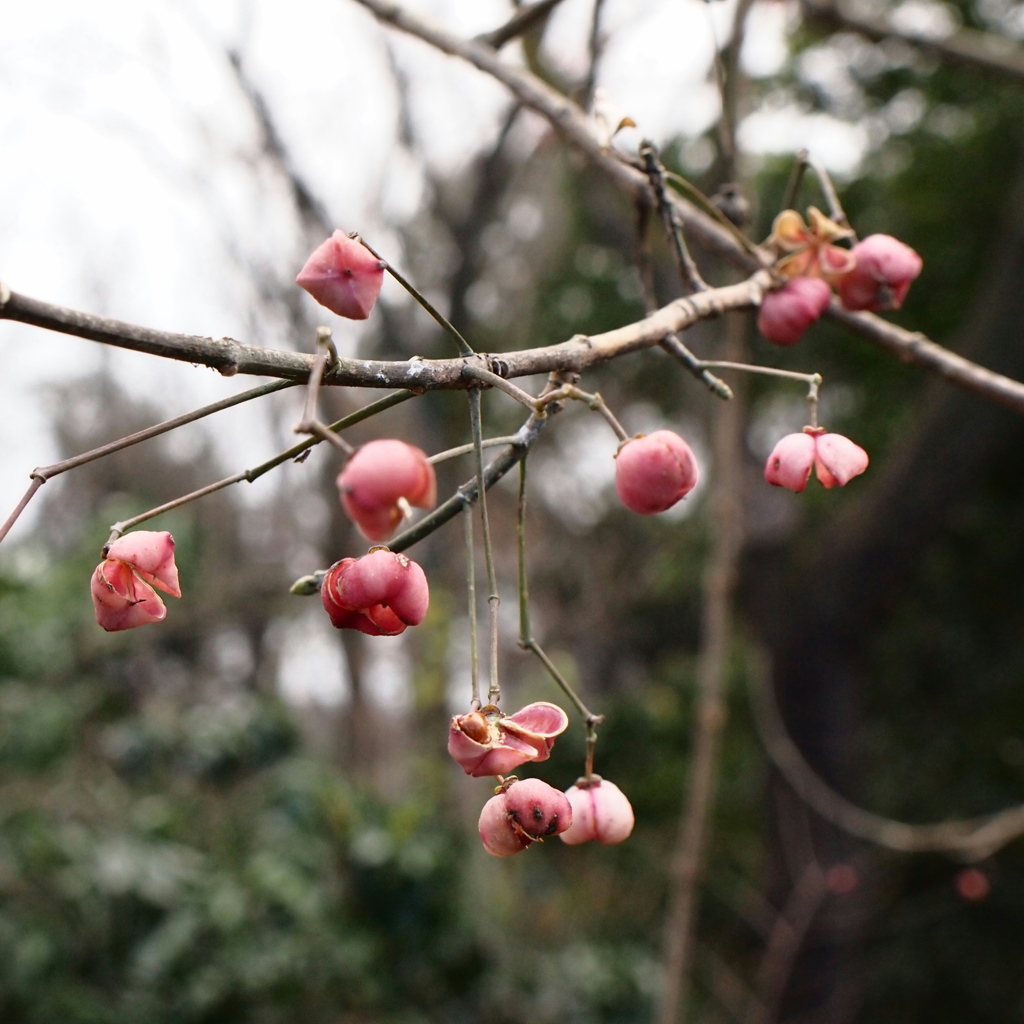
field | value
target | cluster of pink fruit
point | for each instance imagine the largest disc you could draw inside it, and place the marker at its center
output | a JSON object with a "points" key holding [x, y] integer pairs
{"points": [[522, 812], [384, 592], [875, 274]]}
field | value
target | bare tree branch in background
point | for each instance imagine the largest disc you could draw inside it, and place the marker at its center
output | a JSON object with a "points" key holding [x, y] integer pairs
{"points": [[984, 50], [968, 839]]}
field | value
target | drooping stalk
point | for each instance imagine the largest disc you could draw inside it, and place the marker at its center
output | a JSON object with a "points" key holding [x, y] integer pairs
{"points": [[526, 638], [493, 598]]}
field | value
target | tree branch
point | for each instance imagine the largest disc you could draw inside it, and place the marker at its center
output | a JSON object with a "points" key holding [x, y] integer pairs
{"points": [[521, 22], [574, 126], [968, 46], [230, 356]]}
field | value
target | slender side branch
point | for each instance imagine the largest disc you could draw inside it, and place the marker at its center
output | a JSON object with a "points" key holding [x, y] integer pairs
{"points": [[309, 424], [520, 23], [526, 638], [445, 324], [119, 528], [466, 449], [474, 643], [688, 271], [296, 452], [29, 494], [496, 381], [675, 348], [970, 839], [467, 494], [41, 474], [493, 598], [835, 206]]}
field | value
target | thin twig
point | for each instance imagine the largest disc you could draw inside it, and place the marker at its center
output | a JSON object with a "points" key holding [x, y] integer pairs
{"points": [[595, 47], [811, 379], [493, 598], [37, 482], [529, 643], [520, 23], [467, 493], [499, 382], [464, 347], [126, 524], [671, 343], [796, 177], [692, 281], [249, 475], [711, 210], [835, 206], [466, 449], [326, 354], [41, 474], [675, 348], [474, 642]]}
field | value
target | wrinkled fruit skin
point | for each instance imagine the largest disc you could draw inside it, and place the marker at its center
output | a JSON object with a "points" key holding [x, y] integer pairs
{"points": [[343, 275], [122, 585], [525, 812], [882, 275], [486, 742], [835, 459], [787, 313], [379, 594], [600, 811], [654, 471], [376, 477]]}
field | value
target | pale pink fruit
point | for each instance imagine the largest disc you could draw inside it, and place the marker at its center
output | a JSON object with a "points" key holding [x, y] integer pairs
{"points": [[524, 812], [122, 584], [653, 471], [787, 313], [376, 477], [487, 742], [600, 811], [882, 275], [343, 275], [379, 594], [790, 462], [500, 839], [835, 459]]}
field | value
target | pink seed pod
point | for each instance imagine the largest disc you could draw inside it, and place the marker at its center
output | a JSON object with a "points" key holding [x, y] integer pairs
{"points": [[524, 812], [377, 476], [835, 459], [379, 594], [881, 276], [122, 585], [487, 742], [343, 275], [600, 811], [787, 313], [653, 471]]}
